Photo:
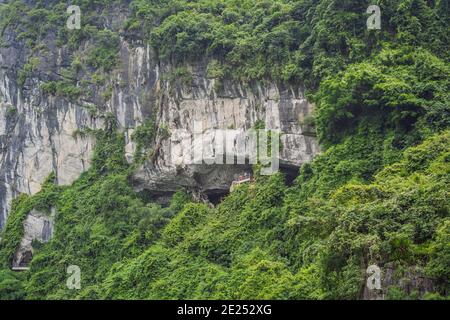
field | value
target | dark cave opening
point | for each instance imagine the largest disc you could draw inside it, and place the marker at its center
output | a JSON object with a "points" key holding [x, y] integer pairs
{"points": [[161, 198], [216, 196]]}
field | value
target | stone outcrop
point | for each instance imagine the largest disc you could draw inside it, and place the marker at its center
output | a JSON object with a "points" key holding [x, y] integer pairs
{"points": [[39, 133], [37, 226], [412, 280]]}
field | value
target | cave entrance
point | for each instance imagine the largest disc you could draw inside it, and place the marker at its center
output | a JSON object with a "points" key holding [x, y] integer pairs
{"points": [[216, 196], [290, 173], [162, 198]]}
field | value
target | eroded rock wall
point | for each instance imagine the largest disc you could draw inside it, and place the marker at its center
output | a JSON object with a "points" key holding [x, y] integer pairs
{"points": [[228, 106], [39, 132]]}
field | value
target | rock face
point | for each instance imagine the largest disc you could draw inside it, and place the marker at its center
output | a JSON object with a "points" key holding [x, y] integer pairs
{"points": [[411, 280], [36, 227], [232, 107], [39, 131]]}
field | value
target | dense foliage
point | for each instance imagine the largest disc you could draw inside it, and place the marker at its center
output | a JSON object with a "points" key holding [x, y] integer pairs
{"points": [[378, 194], [285, 40]]}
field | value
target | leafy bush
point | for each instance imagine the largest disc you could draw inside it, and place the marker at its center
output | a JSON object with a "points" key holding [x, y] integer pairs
{"points": [[11, 287]]}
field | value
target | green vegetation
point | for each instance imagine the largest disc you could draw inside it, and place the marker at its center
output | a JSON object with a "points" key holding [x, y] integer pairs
{"points": [[11, 112], [37, 24], [285, 40], [27, 70], [180, 75], [263, 241], [100, 221], [11, 287], [104, 54], [378, 194], [405, 89], [258, 243], [21, 206]]}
